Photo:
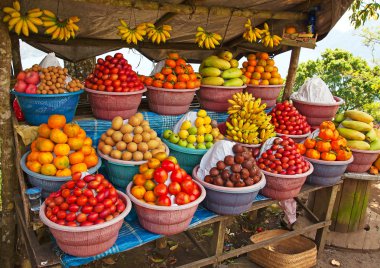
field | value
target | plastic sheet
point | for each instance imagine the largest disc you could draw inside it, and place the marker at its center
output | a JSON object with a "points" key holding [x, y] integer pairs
{"points": [[314, 90]]}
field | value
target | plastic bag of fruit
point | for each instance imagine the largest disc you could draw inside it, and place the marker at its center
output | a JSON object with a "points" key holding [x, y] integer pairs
{"points": [[314, 90], [190, 116], [50, 60]]}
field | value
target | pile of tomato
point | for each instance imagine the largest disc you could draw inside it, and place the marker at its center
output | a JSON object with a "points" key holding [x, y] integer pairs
{"points": [[327, 146], [176, 74]]}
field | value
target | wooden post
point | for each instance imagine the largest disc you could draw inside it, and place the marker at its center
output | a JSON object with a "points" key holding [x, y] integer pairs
{"points": [[291, 73], [16, 57], [7, 153]]}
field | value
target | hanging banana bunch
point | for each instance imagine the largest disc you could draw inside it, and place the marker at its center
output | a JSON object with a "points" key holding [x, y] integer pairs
{"points": [[251, 34], [22, 23], [207, 39], [268, 39], [57, 28], [131, 35], [158, 34]]}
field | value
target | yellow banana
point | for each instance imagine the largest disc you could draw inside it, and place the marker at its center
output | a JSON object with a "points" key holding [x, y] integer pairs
{"points": [[167, 27], [56, 33], [48, 13], [13, 21], [16, 5], [31, 26], [18, 26], [9, 10], [33, 10], [36, 21], [6, 18], [35, 14]]}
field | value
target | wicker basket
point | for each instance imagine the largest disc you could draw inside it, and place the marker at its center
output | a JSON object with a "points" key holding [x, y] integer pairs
{"points": [[295, 252]]}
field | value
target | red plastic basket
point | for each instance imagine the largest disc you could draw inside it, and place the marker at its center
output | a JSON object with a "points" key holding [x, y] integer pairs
{"points": [[362, 160]]}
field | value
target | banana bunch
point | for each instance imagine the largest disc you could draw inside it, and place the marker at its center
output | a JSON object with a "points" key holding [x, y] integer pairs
{"points": [[249, 122], [57, 28], [131, 35], [251, 34], [268, 39], [207, 39], [158, 34], [24, 23]]}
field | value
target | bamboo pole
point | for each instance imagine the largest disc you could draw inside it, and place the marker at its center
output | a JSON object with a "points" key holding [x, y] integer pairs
{"points": [[7, 255], [291, 73]]}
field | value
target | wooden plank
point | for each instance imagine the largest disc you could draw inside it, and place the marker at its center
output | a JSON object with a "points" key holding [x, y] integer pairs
{"points": [[345, 206], [363, 216], [362, 176], [356, 212], [309, 212], [217, 241], [335, 211]]}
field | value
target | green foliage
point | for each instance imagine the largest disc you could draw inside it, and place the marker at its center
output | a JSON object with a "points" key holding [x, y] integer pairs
{"points": [[363, 10], [347, 76], [371, 39]]}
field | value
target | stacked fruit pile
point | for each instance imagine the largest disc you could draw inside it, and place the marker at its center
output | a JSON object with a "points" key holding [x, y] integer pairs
{"points": [[176, 73], [328, 146], [162, 182], [238, 170], [61, 149], [287, 120], [131, 141], [260, 70], [84, 202], [357, 128], [114, 74], [283, 158], [221, 70], [248, 122]]}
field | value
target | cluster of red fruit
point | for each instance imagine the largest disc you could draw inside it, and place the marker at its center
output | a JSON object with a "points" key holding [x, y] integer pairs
{"points": [[114, 74], [287, 120], [27, 82], [84, 202], [283, 158]]}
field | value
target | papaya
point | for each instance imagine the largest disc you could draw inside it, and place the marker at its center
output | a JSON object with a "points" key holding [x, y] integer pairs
{"points": [[359, 116], [210, 71], [214, 61], [234, 82], [359, 145], [339, 118], [371, 135], [231, 73], [375, 145], [245, 79], [351, 134], [212, 81], [356, 125]]}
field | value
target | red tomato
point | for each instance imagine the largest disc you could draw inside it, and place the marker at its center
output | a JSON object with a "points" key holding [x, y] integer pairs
{"points": [[71, 224], [93, 216], [71, 199], [93, 184], [184, 173], [160, 189], [163, 200], [71, 216], [53, 218], [61, 214], [120, 206], [88, 193], [174, 188], [104, 213], [99, 177], [77, 192], [73, 208], [59, 200], [81, 183], [92, 201], [55, 210], [82, 200], [114, 77], [65, 193], [167, 165], [176, 176], [99, 208], [196, 191], [99, 221], [81, 217], [187, 186], [112, 209], [182, 198], [64, 206], [119, 56], [61, 222], [87, 209], [107, 203], [89, 178], [70, 184], [76, 176], [100, 197], [86, 223], [192, 198], [160, 175]]}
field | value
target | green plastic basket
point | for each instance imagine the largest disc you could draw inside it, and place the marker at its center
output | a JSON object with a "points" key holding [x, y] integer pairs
{"points": [[187, 158]]}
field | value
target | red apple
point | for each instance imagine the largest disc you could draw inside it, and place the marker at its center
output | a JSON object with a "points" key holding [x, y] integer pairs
{"points": [[31, 89], [20, 86], [32, 78]]}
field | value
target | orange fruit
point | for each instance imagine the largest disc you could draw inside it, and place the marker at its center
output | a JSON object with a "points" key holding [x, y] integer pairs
{"points": [[91, 160], [275, 74], [48, 169], [280, 81], [268, 68], [34, 166], [252, 63], [76, 158], [149, 196], [259, 69], [58, 136], [248, 74], [75, 143], [71, 130], [143, 168], [33, 156], [273, 81], [86, 150], [81, 134], [254, 82], [56, 121], [149, 185], [45, 157], [270, 62], [87, 141], [45, 145], [250, 69], [80, 167], [33, 147], [148, 174], [264, 82], [63, 173], [251, 57], [61, 149], [265, 76], [154, 163], [139, 179], [275, 69], [44, 131], [61, 162], [262, 63], [138, 191], [264, 56], [256, 75], [290, 30]]}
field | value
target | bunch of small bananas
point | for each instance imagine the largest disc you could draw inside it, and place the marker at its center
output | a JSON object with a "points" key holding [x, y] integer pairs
{"points": [[252, 34], [268, 39], [158, 34], [207, 39], [22, 22], [57, 28], [131, 35], [249, 122]]}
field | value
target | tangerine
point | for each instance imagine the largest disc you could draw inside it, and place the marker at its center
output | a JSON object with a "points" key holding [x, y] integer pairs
{"points": [[75, 143], [44, 131], [63, 173], [86, 150], [264, 56], [33, 156], [76, 158], [149, 196], [265, 76], [61, 149], [256, 75], [33, 147], [154, 163], [56, 121], [264, 82], [71, 130], [143, 168], [45, 157], [138, 191], [139, 179], [34, 166], [91, 160], [268, 68], [80, 167], [251, 57], [262, 63], [58, 136], [61, 162], [252, 63], [87, 141], [270, 62], [259, 69], [44, 145], [81, 134], [48, 169], [149, 185]]}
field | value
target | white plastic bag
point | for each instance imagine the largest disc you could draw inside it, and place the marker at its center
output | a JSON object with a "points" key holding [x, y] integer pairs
{"points": [[191, 116], [217, 152], [50, 60], [314, 90]]}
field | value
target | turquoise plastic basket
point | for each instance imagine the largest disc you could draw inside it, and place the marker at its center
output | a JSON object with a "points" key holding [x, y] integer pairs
{"points": [[187, 158]]}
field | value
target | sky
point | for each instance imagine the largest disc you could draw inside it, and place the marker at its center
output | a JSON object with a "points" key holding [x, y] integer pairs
{"points": [[343, 36]]}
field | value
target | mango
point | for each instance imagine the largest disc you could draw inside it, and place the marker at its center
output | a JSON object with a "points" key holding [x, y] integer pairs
{"points": [[339, 118], [231, 73], [201, 67], [359, 116], [234, 63], [356, 125], [234, 82], [210, 72], [214, 61], [375, 145], [351, 134], [212, 81], [226, 55], [371, 135], [245, 79], [359, 145]]}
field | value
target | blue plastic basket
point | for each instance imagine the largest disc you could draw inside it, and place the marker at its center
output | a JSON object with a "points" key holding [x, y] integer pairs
{"points": [[38, 107], [187, 158], [48, 184]]}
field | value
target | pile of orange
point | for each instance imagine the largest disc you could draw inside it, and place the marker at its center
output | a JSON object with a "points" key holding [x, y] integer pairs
{"points": [[176, 74], [61, 149], [260, 70]]}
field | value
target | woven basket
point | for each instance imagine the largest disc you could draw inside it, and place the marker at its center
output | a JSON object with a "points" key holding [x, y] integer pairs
{"points": [[295, 252]]}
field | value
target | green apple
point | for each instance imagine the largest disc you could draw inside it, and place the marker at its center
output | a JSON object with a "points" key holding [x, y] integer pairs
{"points": [[174, 138], [182, 143], [192, 130], [201, 146], [167, 133], [209, 144], [190, 146], [208, 137]]}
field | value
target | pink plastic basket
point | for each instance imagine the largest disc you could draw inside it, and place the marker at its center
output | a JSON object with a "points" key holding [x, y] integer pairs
{"points": [[267, 93], [165, 220], [362, 160], [90, 240], [107, 105], [281, 187], [170, 101]]}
